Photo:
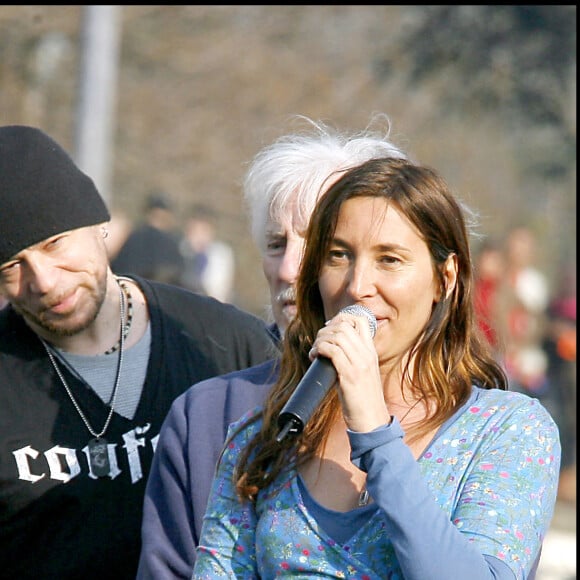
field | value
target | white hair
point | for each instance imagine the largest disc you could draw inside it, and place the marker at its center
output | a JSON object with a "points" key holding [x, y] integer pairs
{"points": [[292, 173]]}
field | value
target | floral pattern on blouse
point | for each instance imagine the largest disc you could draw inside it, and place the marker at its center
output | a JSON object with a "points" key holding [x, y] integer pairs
{"points": [[493, 470]]}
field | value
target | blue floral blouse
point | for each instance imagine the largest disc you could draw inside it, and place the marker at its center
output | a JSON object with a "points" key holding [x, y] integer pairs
{"points": [[480, 497]]}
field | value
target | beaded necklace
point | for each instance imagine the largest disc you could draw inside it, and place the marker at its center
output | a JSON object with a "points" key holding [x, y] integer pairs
{"points": [[127, 326]]}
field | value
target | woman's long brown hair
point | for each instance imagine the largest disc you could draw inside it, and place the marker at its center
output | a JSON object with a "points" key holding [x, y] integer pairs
{"points": [[448, 357]]}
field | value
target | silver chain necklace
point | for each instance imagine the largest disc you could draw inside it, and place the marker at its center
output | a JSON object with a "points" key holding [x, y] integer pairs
{"points": [[97, 446]]}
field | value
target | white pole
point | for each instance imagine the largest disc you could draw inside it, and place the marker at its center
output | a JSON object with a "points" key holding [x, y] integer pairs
{"points": [[96, 120]]}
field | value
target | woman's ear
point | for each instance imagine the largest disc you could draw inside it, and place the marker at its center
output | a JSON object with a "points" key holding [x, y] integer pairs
{"points": [[450, 269]]}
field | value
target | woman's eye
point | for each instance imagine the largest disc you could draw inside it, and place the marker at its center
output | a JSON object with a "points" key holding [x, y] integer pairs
{"points": [[337, 255]]}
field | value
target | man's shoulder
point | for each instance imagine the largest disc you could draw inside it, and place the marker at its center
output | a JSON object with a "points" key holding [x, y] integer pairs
{"points": [[210, 405], [249, 385], [178, 299], [230, 337], [260, 375], [13, 331]]}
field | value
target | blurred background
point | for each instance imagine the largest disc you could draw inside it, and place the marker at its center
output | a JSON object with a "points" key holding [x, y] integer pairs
{"points": [[164, 106], [179, 98]]}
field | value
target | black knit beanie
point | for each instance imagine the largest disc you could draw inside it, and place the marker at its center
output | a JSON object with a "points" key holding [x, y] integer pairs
{"points": [[42, 191]]}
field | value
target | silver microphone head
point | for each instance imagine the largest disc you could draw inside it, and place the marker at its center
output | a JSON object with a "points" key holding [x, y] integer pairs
{"points": [[359, 310]]}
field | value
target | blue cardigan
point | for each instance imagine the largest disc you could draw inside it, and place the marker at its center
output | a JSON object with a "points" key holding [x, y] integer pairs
{"points": [[476, 504], [188, 449]]}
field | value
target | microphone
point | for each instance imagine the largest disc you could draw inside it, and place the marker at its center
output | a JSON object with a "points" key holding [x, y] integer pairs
{"points": [[314, 385]]}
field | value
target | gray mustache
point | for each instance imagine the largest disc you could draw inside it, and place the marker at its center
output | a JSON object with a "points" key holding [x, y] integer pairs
{"points": [[288, 295]]}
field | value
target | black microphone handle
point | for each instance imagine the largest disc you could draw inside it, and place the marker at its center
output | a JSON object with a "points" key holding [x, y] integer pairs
{"points": [[316, 382]]}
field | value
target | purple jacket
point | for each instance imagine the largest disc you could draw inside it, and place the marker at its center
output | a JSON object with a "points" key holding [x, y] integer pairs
{"points": [[188, 448]]}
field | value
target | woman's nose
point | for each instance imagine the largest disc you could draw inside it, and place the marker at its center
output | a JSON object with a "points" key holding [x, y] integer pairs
{"points": [[362, 282]]}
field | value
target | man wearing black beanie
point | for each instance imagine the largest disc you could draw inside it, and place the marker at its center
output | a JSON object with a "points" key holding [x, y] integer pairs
{"points": [[89, 364]]}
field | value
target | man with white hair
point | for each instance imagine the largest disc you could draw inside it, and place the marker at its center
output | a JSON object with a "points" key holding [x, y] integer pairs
{"points": [[281, 188]]}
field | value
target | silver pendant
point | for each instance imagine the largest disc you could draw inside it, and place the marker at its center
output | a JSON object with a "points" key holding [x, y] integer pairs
{"points": [[99, 456], [363, 498]]}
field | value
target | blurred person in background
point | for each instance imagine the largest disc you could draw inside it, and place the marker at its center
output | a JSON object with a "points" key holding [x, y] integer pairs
{"points": [[209, 263], [281, 187], [90, 363], [419, 464], [560, 348], [489, 274], [151, 250], [533, 335], [522, 304]]}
